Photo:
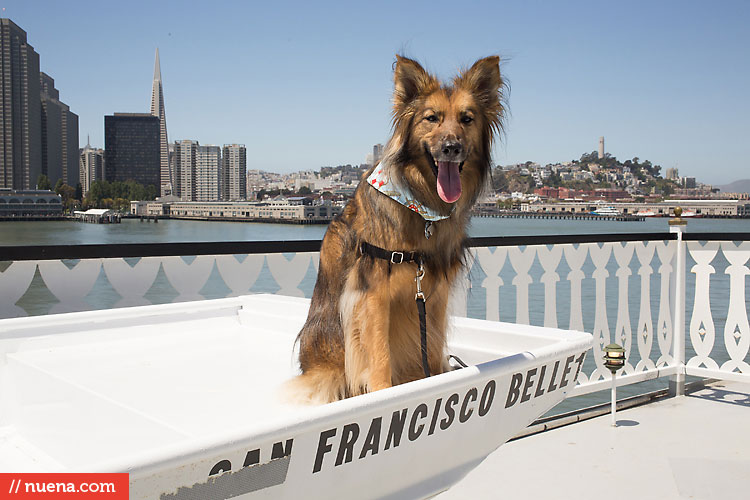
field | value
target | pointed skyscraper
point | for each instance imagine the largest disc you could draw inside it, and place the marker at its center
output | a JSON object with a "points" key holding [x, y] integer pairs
{"points": [[157, 109]]}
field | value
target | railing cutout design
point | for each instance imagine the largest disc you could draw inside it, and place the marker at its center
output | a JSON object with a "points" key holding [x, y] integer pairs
{"points": [[620, 291]]}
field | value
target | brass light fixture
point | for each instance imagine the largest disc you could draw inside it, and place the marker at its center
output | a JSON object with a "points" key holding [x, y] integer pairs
{"points": [[614, 359]]}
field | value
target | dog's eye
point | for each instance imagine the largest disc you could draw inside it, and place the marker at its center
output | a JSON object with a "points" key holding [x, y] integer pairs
{"points": [[466, 119], [432, 118]]}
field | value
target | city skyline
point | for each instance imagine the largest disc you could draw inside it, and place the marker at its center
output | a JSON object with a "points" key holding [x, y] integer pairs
{"points": [[305, 86]]}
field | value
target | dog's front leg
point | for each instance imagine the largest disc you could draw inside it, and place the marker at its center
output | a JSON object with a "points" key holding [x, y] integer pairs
{"points": [[375, 335]]}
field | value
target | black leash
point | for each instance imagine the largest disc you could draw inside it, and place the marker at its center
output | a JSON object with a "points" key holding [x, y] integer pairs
{"points": [[399, 257], [422, 317]]}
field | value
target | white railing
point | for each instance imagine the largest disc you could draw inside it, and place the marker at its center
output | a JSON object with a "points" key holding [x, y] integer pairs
{"points": [[678, 307]]}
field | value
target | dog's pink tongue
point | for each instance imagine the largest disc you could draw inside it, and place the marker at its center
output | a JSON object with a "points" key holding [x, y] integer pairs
{"points": [[448, 181]]}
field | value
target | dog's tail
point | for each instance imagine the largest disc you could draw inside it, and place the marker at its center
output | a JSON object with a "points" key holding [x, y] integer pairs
{"points": [[317, 386]]}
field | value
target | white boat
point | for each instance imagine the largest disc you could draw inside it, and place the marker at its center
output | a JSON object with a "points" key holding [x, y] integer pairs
{"points": [[646, 212], [185, 398], [606, 211]]}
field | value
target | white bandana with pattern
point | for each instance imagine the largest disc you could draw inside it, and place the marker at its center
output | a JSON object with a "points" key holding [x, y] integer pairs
{"points": [[380, 180]]}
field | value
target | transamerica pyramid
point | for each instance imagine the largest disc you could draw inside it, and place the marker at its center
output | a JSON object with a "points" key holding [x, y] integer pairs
{"points": [[157, 109]]}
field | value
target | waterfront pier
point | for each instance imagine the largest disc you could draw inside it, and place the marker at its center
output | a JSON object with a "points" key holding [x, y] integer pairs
{"points": [[97, 216], [560, 215]]}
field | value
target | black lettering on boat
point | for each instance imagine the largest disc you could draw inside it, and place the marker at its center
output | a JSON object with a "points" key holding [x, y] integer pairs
{"points": [[471, 395], [252, 458], [552, 385], [346, 445], [372, 441], [488, 394], [566, 371], [414, 430], [281, 451], [323, 448], [396, 429], [435, 415], [529, 382], [579, 361], [540, 386], [414, 422], [449, 411], [221, 466], [515, 390]]}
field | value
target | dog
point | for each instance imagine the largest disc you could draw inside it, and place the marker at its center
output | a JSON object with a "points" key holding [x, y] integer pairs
{"points": [[409, 215]]}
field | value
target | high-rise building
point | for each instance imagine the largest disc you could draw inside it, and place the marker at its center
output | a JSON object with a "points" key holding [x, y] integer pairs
{"points": [[377, 153], [70, 147], [174, 171], [91, 167], [673, 174], [207, 173], [167, 176], [234, 169], [132, 149], [198, 170], [688, 182], [601, 148], [60, 159], [20, 110], [184, 155]]}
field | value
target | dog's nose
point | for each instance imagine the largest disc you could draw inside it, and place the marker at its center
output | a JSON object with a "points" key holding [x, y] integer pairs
{"points": [[452, 149]]}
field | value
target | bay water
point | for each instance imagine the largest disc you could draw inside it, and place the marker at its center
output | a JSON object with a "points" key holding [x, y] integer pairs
{"points": [[167, 231]]}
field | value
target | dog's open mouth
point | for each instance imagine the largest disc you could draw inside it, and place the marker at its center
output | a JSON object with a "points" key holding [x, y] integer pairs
{"points": [[448, 174]]}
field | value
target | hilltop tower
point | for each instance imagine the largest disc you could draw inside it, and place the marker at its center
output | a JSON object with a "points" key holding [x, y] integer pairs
{"points": [[601, 148], [157, 109]]}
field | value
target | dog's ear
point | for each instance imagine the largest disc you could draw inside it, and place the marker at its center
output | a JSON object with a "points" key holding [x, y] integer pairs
{"points": [[410, 80], [483, 80]]}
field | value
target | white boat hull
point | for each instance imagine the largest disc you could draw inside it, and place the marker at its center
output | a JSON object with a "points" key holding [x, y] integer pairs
{"points": [[185, 398]]}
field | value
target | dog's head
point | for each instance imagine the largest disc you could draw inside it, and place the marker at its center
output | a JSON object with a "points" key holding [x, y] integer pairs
{"points": [[443, 133]]}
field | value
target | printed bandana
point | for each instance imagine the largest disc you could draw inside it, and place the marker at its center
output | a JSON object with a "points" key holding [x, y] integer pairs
{"points": [[380, 180]]}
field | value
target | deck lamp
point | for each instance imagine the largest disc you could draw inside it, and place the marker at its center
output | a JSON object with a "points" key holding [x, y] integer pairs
{"points": [[614, 359]]}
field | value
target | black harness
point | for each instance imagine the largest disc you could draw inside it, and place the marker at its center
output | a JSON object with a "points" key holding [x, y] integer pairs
{"points": [[398, 257]]}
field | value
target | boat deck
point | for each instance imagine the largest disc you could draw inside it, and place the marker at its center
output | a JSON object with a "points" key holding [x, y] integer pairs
{"points": [[694, 446]]}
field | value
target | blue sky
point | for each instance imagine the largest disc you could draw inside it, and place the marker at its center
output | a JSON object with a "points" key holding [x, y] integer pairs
{"points": [[308, 84]]}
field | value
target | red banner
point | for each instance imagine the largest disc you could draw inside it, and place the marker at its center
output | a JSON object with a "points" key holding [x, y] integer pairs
{"points": [[64, 486]]}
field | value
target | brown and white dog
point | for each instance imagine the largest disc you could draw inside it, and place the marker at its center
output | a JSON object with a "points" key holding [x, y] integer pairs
{"points": [[362, 330]]}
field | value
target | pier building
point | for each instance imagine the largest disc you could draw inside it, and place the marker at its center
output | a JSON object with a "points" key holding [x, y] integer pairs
{"points": [[294, 210], [29, 204], [695, 208]]}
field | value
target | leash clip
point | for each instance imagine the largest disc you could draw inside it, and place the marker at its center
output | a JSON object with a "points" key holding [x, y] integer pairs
{"points": [[418, 279]]}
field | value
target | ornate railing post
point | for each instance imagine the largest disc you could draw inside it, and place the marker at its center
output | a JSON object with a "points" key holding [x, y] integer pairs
{"points": [[677, 381]]}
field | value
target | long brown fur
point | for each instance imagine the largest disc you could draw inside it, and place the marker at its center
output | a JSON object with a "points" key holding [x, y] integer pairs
{"points": [[362, 329]]}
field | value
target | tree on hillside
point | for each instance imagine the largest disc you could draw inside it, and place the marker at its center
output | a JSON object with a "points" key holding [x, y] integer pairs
{"points": [[553, 180], [608, 161], [499, 181]]}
